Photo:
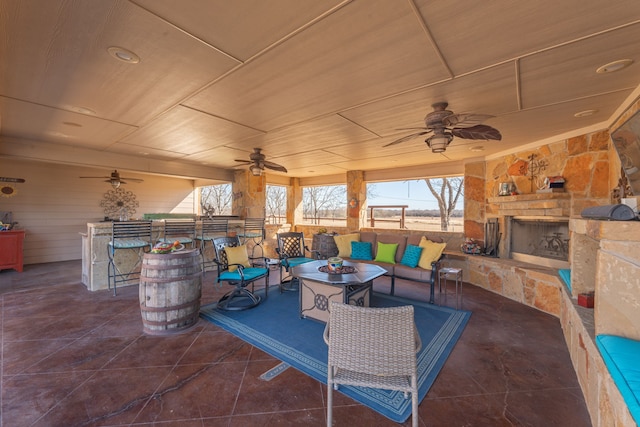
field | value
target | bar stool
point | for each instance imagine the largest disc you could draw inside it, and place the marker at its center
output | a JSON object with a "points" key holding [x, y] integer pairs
{"points": [[452, 274], [131, 236], [210, 229], [184, 231], [253, 231]]}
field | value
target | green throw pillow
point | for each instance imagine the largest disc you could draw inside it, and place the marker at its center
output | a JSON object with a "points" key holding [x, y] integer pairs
{"points": [[411, 256], [386, 252]]}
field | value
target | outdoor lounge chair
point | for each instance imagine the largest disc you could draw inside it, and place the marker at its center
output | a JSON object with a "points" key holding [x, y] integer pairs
{"points": [[292, 251], [372, 347], [238, 270]]}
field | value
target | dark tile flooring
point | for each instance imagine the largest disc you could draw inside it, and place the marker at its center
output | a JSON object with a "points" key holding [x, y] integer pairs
{"points": [[71, 357]]}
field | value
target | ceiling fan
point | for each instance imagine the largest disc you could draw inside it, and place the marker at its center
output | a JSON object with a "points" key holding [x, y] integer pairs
{"points": [[258, 162], [445, 125], [115, 179]]}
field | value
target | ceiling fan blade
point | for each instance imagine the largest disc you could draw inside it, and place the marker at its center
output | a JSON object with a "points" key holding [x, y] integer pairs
{"points": [[477, 132], [274, 166], [132, 179], [465, 120], [407, 138], [246, 162]]}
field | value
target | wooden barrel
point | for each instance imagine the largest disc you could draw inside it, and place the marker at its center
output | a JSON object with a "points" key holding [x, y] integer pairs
{"points": [[170, 291]]}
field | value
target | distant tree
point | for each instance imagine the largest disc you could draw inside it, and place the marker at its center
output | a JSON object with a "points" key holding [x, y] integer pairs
{"points": [[447, 191], [324, 201], [276, 201], [216, 199]]}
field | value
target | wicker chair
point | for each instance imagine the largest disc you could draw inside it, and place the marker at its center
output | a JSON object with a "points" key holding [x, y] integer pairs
{"points": [[292, 251], [372, 347]]}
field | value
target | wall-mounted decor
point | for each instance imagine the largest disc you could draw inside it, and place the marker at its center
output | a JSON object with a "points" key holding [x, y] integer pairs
{"points": [[626, 141], [7, 189], [119, 203]]}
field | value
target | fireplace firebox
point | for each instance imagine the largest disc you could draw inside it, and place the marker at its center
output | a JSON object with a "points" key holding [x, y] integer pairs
{"points": [[539, 240]]}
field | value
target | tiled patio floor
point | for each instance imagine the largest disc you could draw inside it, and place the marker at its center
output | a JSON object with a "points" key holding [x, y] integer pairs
{"points": [[71, 357]]}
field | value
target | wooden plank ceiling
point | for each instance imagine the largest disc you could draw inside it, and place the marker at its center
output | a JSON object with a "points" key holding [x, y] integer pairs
{"points": [[320, 86]]}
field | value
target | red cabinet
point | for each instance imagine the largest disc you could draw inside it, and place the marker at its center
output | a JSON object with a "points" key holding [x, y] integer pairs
{"points": [[11, 249]]}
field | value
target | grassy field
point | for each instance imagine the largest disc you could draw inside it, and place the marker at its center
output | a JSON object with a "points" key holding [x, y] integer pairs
{"points": [[411, 223]]}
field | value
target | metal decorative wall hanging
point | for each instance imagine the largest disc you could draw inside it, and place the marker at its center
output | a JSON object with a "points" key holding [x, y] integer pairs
{"points": [[119, 203]]}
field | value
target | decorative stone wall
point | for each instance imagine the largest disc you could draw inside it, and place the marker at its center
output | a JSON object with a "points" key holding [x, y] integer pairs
{"points": [[583, 161]]}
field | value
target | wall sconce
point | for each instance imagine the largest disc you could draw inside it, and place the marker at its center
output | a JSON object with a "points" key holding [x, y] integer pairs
{"points": [[353, 203]]}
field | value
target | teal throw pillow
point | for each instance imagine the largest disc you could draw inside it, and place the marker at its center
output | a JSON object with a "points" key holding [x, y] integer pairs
{"points": [[361, 250], [411, 256], [387, 252]]}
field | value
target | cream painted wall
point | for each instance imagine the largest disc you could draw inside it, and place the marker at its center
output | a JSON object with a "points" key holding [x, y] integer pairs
{"points": [[54, 205]]}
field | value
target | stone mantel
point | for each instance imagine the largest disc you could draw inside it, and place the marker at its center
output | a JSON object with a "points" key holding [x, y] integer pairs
{"points": [[540, 204]]}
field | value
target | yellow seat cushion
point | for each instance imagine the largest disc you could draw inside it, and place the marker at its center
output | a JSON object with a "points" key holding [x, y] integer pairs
{"points": [[344, 243], [431, 251], [237, 255]]}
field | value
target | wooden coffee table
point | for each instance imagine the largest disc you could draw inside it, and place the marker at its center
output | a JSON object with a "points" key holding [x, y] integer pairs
{"points": [[318, 289]]}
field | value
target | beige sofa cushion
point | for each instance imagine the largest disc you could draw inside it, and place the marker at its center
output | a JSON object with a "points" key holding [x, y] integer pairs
{"points": [[431, 251], [344, 243]]}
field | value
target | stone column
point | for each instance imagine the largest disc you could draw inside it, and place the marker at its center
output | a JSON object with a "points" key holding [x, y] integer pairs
{"points": [[249, 195], [356, 200], [294, 202], [474, 200]]}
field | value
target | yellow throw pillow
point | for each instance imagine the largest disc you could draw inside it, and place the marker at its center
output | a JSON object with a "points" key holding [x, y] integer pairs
{"points": [[431, 252], [237, 255], [344, 243]]}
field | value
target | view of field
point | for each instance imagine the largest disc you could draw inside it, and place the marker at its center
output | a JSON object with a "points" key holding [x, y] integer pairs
{"points": [[411, 223]]}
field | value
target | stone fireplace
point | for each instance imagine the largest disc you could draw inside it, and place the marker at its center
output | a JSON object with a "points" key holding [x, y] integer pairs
{"points": [[539, 240], [535, 228]]}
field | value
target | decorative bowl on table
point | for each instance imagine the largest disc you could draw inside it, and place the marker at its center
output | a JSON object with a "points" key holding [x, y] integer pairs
{"points": [[334, 264]]}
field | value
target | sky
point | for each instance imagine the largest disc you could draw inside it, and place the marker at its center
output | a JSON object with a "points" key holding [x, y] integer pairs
{"points": [[414, 193]]}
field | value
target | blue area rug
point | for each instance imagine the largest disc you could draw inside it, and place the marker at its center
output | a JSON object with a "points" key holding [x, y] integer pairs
{"points": [[275, 327]]}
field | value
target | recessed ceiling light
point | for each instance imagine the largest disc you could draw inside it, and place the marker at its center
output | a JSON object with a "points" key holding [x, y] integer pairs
{"points": [[614, 66], [476, 148], [123, 55], [585, 113], [72, 124], [81, 110]]}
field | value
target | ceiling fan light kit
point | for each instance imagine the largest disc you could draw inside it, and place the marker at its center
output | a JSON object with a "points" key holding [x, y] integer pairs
{"points": [[114, 179], [258, 163], [446, 125], [438, 143], [255, 170]]}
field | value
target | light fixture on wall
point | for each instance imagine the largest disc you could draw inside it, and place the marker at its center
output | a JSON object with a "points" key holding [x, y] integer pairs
{"points": [[438, 143]]}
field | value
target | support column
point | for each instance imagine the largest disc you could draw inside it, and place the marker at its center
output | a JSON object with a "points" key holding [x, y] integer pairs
{"points": [[249, 195], [474, 200], [356, 200], [294, 202]]}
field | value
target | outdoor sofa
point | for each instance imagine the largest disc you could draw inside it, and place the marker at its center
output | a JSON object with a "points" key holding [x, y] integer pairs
{"points": [[411, 257]]}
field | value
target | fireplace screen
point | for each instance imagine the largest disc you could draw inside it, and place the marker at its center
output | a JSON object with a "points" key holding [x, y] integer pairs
{"points": [[540, 238]]}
